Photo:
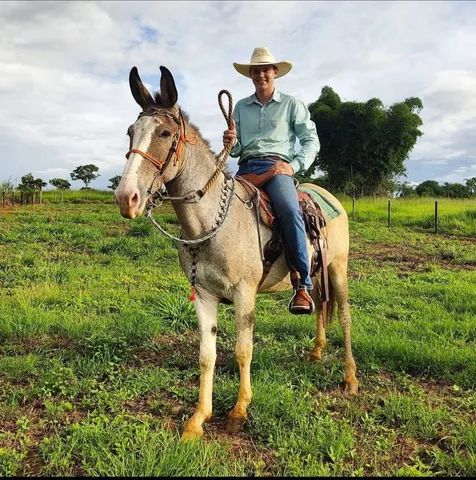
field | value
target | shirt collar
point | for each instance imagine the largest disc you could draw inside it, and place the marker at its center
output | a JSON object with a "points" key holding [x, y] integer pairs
{"points": [[276, 97]]}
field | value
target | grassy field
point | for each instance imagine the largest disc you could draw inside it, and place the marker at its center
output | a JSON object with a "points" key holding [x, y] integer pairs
{"points": [[99, 354]]}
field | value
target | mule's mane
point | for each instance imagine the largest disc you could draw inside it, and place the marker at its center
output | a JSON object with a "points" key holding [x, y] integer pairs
{"points": [[160, 104]]}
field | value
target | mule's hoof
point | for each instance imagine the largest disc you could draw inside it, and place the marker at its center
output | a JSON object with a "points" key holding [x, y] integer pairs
{"points": [[314, 356], [351, 388], [191, 433], [235, 424]]}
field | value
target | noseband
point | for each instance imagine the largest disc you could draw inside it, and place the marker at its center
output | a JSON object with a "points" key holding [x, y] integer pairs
{"points": [[178, 141]]}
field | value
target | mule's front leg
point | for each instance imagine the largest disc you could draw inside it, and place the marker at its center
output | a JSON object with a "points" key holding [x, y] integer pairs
{"points": [[206, 308], [245, 317]]}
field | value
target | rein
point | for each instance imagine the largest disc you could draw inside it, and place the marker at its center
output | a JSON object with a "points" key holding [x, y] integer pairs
{"points": [[179, 141]]}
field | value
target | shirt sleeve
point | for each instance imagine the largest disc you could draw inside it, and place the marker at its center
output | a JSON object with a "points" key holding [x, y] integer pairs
{"points": [[236, 150], [305, 130]]}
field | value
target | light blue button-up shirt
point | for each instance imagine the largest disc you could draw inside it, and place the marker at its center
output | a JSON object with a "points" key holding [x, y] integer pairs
{"points": [[272, 130]]}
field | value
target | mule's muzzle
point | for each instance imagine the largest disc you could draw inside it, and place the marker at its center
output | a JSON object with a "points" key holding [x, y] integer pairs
{"points": [[129, 203]]}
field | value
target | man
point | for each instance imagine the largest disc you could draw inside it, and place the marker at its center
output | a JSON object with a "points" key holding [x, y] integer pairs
{"points": [[264, 132]]}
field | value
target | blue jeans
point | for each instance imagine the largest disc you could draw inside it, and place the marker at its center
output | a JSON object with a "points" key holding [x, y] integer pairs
{"points": [[283, 195]]}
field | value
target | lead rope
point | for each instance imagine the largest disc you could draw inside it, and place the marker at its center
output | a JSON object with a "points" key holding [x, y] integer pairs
{"points": [[222, 158], [223, 155]]}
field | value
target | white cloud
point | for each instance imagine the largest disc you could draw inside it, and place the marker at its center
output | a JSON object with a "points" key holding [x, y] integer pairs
{"points": [[64, 86]]}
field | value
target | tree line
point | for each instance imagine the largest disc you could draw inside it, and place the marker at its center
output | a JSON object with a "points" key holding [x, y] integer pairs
{"points": [[85, 173]]}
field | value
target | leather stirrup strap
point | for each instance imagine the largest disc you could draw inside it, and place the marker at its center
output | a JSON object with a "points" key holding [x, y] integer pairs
{"points": [[271, 252]]}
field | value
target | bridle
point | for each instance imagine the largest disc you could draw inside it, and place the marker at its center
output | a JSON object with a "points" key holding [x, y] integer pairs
{"points": [[178, 141]]}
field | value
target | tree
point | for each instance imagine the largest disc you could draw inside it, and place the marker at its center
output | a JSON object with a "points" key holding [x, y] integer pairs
{"points": [[60, 183], [86, 173], [471, 185], [30, 184], [455, 190], [428, 188], [363, 144], [114, 182]]}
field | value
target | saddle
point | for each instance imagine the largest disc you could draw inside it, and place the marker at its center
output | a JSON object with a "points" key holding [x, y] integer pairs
{"points": [[314, 221]]}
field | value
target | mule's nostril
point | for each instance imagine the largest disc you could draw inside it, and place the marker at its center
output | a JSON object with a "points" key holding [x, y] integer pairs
{"points": [[134, 200]]}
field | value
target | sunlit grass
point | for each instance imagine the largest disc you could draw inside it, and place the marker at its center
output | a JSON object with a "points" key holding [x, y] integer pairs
{"points": [[99, 356], [455, 216]]}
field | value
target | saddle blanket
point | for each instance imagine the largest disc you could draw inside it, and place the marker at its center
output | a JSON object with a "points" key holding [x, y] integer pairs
{"points": [[330, 210]]}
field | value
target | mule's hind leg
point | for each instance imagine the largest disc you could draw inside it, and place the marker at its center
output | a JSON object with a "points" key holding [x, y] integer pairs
{"points": [[245, 316], [206, 309], [338, 276]]}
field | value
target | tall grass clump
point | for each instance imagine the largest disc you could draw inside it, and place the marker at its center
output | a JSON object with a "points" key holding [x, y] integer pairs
{"points": [[88, 195]]}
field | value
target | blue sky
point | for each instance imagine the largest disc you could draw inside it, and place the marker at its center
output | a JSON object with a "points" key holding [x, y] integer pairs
{"points": [[65, 99]]}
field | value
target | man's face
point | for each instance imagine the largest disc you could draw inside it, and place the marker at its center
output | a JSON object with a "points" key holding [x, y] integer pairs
{"points": [[263, 75]]}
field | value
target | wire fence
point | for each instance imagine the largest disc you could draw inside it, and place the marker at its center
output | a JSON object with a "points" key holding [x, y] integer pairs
{"points": [[447, 216], [439, 215], [12, 198]]}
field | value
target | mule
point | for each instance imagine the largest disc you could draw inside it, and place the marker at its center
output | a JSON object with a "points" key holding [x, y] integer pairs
{"points": [[167, 151]]}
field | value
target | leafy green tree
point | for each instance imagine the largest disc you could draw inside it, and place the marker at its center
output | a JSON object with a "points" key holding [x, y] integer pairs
{"points": [[428, 188], [363, 144], [29, 183], [114, 182], [60, 183], [455, 190], [471, 185], [85, 173]]}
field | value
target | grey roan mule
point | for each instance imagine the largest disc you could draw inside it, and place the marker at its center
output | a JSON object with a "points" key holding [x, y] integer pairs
{"points": [[228, 266]]}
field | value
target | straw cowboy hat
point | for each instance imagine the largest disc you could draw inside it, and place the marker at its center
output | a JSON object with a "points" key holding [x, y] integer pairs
{"points": [[262, 56]]}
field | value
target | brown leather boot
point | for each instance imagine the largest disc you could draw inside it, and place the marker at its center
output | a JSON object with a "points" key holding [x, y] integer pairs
{"points": [[301, 302]]}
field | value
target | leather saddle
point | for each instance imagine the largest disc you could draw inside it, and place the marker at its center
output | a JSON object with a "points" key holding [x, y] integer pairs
{"points": [[314, 221]]}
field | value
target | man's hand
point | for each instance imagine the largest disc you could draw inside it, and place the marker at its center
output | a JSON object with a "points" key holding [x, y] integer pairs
{"points": [[229, 136], [283, 168]]}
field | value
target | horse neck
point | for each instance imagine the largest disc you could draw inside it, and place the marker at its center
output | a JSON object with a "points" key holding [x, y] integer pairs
{"points": [[199, 166]]}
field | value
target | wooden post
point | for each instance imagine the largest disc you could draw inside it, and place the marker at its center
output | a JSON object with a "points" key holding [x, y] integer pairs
{"points": [[436, 216], [389, 222]]}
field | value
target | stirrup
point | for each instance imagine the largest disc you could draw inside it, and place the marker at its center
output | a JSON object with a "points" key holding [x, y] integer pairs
{"points": [[301, 309]]}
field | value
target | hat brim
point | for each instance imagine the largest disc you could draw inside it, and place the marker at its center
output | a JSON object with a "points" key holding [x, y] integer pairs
{"points": [[244, 68]]}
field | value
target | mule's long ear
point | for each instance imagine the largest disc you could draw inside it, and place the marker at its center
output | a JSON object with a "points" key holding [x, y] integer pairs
{"points": [[168, 91], [139, 92]]}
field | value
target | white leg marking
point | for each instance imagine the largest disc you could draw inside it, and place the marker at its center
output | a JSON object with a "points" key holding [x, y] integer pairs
{"points": [[206, 309]]}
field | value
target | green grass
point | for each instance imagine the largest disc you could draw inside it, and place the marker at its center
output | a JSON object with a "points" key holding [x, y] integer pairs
{"points": [[78, 196], [99, 355], [455, 216]]}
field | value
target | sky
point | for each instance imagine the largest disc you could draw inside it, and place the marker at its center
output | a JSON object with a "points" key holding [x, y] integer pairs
{"points": [[64, 92]]}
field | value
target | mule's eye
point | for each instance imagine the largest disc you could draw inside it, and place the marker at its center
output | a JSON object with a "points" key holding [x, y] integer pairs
{"points": [[165, 133]]}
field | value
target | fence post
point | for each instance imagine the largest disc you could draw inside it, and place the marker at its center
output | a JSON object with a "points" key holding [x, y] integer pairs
{"points": [[436, 216], [389, 222]]}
